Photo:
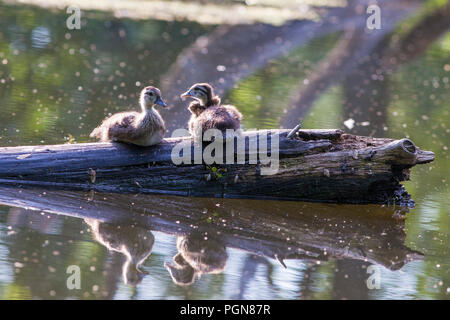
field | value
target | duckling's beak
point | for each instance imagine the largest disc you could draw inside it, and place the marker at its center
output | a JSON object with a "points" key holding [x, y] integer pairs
{"points": [[161, 102], [186, 94]]}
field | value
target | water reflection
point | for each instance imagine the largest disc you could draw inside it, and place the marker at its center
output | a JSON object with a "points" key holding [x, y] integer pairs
{"points": [[272, 234], [134, 242], [198, 253], [59, 83]]}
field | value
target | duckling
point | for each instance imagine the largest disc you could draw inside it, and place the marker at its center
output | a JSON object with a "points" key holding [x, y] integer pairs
{"points": [[208, 113], [143, 128]]}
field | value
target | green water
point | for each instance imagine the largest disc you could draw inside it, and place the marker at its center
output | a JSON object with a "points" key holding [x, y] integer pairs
{"points": [[56, 85]]}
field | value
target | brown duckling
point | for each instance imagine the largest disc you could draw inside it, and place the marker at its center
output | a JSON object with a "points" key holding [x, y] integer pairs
{"points": [[143, 128], [208, 113]]}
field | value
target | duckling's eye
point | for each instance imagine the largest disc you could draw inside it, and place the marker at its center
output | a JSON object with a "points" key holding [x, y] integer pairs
{"points": [[151, 94]]}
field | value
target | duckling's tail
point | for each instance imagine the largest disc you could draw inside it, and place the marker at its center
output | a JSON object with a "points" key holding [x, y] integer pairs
{"points": [[96, 133]]}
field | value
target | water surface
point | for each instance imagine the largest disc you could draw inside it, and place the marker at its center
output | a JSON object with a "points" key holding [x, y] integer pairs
{"points": [[56, 85]]}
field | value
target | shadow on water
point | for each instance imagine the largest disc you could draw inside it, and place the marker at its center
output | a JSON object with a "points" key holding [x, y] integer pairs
{"points": [[204, 228]]}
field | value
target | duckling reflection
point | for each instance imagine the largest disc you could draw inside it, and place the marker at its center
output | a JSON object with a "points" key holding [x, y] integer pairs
{"points": [[198, 253], [136, 243]]}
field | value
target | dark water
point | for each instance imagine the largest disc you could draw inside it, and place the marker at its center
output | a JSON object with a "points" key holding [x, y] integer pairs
{"points": [[56, 85]]}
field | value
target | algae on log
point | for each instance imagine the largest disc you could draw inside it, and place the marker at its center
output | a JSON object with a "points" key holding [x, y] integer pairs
{"points": [[314, 165]]}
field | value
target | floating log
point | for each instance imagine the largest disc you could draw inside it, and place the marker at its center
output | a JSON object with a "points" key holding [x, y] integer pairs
{"points": [[273, 229], [314, 165]]}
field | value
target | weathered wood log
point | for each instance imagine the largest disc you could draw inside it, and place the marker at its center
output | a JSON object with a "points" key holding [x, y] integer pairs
{"points": [[274, 229], [314, 165]]}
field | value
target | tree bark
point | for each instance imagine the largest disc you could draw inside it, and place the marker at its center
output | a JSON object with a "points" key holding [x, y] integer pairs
{"points": [[314, 165]]}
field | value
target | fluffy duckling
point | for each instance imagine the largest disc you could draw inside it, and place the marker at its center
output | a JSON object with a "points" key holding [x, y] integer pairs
{"points": [[143, 128], [208, 113]]}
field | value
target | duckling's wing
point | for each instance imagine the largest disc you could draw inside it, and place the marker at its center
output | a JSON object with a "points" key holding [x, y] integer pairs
{"points": [[122, 126], [233, 112], [213, 118], [223, 118], [118, 120]]}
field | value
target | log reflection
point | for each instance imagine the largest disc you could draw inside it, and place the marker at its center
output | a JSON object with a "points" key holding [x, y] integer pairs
{"points": [[273, 229], [243, 49]]}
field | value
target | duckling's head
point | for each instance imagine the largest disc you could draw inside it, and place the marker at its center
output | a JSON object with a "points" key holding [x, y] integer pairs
{"points": [[151, 96], [181, 272], [204, 93], [132, 275]]}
